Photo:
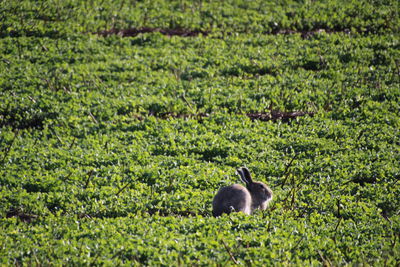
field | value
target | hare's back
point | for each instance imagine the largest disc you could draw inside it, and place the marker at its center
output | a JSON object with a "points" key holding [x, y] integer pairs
{"points": [[232, 198]]}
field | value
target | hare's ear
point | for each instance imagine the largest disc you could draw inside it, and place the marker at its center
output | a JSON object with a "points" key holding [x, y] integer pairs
{"points": [[247, 175], [242, 175]]}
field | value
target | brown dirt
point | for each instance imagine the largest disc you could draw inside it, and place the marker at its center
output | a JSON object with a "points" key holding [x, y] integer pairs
{"points": [[136, 31]]}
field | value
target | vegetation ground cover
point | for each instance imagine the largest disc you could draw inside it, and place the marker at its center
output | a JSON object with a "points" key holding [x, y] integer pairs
{"points": [[113, 145]]}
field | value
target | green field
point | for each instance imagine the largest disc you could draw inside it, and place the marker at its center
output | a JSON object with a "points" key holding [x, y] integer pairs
{"points": [[120, 120]]}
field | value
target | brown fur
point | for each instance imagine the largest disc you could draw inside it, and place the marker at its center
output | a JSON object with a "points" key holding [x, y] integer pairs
{"points": [[232, 198], [256, 195]]}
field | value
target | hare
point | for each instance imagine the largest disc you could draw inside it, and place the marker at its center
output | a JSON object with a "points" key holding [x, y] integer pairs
{"points": [[255, 195]]}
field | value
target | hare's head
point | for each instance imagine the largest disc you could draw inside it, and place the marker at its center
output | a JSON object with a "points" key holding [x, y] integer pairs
{"points": [[261, 194]]}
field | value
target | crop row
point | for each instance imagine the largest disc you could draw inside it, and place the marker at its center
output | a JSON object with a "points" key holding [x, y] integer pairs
{"points": [[112, 146], [63, 18]]}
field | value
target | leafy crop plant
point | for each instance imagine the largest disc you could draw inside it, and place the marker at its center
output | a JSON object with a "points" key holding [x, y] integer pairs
{"points": [[112, 146]]}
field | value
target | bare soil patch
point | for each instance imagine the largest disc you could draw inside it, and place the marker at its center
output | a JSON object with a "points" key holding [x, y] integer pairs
{"points": [[132, 32]]}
